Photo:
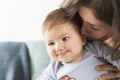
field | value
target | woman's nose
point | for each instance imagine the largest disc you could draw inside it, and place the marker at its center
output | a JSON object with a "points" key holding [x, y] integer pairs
{"points": [[83, 32]]}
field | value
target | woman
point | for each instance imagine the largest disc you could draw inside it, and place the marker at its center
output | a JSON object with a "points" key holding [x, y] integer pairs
{"points": [[101, 21]]}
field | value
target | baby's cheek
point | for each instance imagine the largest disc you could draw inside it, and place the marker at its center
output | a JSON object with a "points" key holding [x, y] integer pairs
{"points": [[53, 56]]}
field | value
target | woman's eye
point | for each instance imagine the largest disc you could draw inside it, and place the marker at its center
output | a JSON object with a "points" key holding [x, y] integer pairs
{"points": [[51, 43], [94, 27], [65, 38]]}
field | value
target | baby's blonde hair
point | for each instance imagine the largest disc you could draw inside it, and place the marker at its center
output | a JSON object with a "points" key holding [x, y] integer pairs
{"points": [[57, 17]]}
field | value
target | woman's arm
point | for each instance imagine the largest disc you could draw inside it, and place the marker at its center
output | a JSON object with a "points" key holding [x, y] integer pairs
{"points": [[102, 50]]}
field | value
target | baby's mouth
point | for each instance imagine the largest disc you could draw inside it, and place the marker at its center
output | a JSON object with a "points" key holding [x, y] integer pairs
{"points": [[63, 53]]}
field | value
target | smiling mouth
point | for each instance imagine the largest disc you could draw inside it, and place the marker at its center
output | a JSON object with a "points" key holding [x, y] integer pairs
{"points": [[62, 54]]}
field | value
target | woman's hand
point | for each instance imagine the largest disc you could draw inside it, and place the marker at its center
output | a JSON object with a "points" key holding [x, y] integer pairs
{"points": [[66, 78], [108, 67]]}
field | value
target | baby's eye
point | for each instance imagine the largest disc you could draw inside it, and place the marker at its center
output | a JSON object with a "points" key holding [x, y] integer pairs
{"points": [[65, 38], [51, 44]]}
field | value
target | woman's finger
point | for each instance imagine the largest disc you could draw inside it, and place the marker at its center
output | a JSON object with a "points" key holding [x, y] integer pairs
{"points": [[110, 76], [107, 67]]}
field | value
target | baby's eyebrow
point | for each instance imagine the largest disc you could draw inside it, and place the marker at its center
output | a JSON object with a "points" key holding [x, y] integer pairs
{"points": [[63, 35]]}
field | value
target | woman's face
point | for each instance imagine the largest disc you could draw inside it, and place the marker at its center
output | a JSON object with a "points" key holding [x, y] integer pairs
{"points": [[93, 28]]}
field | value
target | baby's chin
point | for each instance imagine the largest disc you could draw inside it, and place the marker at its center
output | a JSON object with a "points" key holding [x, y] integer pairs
{"points": [[56, 59], [59, 59]]}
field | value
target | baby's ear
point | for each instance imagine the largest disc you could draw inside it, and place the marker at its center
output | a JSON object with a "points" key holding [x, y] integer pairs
{"points": [[83, 40]]}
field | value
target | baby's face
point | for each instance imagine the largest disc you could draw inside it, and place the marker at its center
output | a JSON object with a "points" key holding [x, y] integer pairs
{"points": [[64, 43]]}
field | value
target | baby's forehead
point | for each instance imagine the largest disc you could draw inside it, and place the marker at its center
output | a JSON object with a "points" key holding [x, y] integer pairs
{"points": [[57, 24], [60, 27]]}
